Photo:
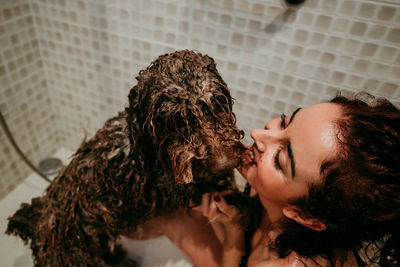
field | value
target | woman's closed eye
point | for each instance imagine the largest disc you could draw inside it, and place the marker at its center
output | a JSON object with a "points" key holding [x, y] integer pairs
{"points": [[276, 159]]}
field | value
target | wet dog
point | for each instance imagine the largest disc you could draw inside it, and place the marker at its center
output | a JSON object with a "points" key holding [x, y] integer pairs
{"points": [[176, 140]]}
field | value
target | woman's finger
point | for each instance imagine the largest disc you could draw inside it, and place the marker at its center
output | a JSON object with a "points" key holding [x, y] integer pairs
{"points": [[228, 212], [205, 204], [223, 207], [213, 210]]}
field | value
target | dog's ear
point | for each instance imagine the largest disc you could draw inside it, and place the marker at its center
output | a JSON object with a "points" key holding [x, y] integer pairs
{"points": [[182, 165]]}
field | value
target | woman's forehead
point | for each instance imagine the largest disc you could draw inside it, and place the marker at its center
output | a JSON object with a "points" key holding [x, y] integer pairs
{"points": [[313, 137]]}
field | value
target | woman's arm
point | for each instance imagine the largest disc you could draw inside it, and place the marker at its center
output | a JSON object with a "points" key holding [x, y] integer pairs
{"points": [[192, 233], [230, 231], [232, 251], [210, 234]]}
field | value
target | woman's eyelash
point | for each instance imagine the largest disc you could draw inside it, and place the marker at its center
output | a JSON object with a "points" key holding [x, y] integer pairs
{"points": [[283, 122], [276, 160]]}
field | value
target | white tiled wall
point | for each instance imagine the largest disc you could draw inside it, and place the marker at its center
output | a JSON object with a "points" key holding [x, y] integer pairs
{"points": [[79, 59], [24, 99]]}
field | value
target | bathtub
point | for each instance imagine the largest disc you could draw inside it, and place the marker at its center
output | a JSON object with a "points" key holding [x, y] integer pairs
{"points": [[158, 252]]}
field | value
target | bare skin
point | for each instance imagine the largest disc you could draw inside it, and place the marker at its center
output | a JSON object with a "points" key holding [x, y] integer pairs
{"points": [[285, 158], [191, 232]]}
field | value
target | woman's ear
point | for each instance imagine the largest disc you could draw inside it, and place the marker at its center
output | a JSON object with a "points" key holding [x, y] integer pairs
{"points": [[295, 213]]}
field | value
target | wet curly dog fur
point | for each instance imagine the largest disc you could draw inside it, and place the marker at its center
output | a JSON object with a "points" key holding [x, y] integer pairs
{"points": [[176, 140]]}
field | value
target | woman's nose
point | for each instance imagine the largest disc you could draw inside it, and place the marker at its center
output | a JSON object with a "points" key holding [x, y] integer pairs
{"points": [[264, 137], [260, 137]]}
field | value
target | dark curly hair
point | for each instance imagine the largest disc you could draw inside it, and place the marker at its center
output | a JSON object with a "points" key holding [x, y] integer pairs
{"points": [[175, 141], [359, 198]]}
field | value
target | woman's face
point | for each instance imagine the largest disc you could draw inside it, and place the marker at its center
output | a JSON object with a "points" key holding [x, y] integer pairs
{"points": [[287, 154]]}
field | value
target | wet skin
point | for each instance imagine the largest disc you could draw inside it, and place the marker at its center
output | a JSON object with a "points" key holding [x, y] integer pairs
{"points": [[287, 154]]}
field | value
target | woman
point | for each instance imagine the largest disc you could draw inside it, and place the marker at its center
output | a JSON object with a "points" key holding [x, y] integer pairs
{"points": [[328, 179]]}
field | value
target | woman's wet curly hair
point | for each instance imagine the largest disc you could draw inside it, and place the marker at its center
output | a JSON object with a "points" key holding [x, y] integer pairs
{"points": [[359, 199]]}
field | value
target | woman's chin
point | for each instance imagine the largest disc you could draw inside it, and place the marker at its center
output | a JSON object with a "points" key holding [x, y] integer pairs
{"points": [[245, 169]]}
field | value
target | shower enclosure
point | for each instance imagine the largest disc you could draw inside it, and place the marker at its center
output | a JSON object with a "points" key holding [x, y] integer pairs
{"points": [[67, 65]]}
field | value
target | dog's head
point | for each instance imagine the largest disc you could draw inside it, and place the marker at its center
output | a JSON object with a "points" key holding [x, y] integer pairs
{"points": [[182, 110]]}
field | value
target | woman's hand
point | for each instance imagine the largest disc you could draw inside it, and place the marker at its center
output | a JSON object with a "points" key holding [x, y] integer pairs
{"points": [[225, 221]]}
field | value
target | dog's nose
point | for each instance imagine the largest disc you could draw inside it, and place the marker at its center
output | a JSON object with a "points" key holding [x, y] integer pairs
{"points": [[225, 163]]}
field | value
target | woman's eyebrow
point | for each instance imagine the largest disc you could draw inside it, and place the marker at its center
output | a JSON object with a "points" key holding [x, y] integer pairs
{"points": [[294, 114], [289, 147]]}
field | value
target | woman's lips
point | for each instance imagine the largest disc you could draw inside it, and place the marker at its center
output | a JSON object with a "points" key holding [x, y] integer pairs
{"points": [[248, 157]]}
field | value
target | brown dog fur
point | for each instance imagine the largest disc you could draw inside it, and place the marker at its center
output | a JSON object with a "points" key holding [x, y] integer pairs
{"points": [[175, 141]]}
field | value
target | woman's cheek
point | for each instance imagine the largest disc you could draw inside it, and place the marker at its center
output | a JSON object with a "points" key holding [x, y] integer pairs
{"points": [[263, 170], [267, 176]]}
